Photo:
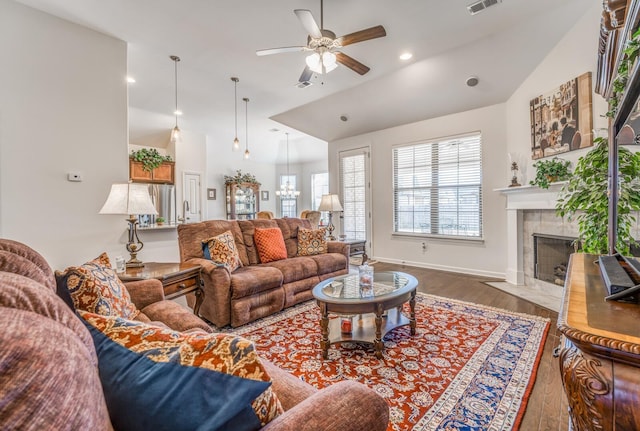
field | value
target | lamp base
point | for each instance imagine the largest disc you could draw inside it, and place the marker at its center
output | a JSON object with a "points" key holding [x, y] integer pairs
{"points": [[137, 264]]}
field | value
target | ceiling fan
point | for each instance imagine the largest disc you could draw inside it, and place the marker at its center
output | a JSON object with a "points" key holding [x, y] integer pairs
{"points": [[325, 46]]}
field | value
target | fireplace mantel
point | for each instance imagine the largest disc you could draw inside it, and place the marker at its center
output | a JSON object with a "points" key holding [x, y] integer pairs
{"points": [[532, 197], [519, 199]]}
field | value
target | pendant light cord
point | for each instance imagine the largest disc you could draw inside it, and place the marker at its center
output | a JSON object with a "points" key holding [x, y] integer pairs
{"points": [[176, 59], [246, 123], [235, 100]]}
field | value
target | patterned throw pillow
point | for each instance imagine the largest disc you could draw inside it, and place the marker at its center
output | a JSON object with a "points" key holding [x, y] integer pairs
{"points": [[95, 287], [222, 249], [311, 241], [270, 244], [145, 369]]}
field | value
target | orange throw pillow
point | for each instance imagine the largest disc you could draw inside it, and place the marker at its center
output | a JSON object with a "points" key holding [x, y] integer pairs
{"points": [[270, 244]]}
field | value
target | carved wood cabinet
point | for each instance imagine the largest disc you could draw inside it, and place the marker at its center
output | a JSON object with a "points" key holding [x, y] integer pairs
{"points": [[242, 200], [600, 356]]}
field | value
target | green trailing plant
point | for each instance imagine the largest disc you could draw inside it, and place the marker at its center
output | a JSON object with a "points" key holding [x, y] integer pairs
{"points": [[239, 178], [550, 171], [631, 51], [149, 157], [585, 197]]}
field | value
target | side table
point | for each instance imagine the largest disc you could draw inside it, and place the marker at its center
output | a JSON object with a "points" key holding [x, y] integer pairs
{"points": [[357, 248], [177, 279]]}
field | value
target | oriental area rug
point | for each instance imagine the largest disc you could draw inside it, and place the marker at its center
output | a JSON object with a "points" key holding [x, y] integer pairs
{"points": [[469, 367]]}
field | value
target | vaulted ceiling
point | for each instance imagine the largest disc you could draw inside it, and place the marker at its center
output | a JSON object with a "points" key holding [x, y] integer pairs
{"points": [[218, 39]]}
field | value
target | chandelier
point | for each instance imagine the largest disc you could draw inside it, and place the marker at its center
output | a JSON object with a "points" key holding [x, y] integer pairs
{"points": [[286, 190]]}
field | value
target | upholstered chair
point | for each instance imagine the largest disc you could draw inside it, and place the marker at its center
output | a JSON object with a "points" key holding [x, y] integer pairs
{"points": [[266, 215]]}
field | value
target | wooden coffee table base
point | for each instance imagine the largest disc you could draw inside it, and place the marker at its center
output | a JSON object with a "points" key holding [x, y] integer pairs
{"points": [[369, 325]]}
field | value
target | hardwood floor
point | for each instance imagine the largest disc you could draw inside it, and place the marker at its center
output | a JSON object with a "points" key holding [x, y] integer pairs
{"points": [[547, 407]]}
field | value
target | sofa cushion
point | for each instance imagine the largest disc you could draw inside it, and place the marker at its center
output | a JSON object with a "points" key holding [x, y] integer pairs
{"points": [[295, 268], [248, 228], [20, 292], [222, 249], [95, 287], [191, 235], [33, 256], [249, 280], [270, 244], [311, 241], [48, 377], [289, 228], [145, 370], [329, 262]]}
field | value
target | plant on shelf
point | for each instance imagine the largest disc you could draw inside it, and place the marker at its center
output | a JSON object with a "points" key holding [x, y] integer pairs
{"points": [[149, 157], [586, 195], [160, 221], [631, 51], [239, 178], [550, 171]]}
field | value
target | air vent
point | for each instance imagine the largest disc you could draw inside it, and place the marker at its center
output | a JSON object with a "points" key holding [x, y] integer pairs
{"points": [[303, 84], [481, 5]]}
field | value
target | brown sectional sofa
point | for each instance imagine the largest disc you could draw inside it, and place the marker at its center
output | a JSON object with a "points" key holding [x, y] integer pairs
{"points": [[257, 289], [50, 377]]}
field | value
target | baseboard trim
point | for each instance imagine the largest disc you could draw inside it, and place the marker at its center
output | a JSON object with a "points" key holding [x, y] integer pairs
{"points": [[473, 271]]}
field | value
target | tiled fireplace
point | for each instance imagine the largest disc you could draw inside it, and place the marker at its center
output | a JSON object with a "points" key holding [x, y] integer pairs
{"points": [[531, 210]]}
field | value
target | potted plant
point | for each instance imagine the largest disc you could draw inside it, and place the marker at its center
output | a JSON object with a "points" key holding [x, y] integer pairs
{"points": [[586, 195], [149, 157], [160, 221], [550, 171]]}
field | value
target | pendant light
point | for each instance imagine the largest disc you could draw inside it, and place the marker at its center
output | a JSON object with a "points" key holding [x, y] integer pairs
{"points": [[246, 127], [236, 141], [286, 190], [175, 133]]}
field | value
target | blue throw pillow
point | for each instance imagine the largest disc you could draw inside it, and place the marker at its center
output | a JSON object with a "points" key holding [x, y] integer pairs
{"points": [[142, 394]]}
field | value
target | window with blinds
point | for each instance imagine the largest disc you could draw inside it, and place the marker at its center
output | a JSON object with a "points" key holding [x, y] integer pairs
{"points": [[437, 188], [288, 205]]}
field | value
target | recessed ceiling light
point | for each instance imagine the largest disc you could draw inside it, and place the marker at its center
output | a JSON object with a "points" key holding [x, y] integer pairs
{"points": [[131, 80], [405, 56]]}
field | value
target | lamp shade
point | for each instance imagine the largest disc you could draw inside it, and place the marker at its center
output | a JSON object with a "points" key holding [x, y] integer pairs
{"points": [[330, 203], [129, 198]]}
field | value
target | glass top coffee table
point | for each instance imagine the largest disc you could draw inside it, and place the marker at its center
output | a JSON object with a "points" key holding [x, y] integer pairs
{"points": [[344, 295]]}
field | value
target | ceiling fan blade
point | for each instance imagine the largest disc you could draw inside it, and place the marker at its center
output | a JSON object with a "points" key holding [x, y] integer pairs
{"points": [[351, 63], [306, 75], [308, 22], [281, 50], [362, 35]]}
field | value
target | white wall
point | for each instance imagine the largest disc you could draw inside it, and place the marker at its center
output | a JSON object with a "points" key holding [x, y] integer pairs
{"points": [[574, 55], [63, 108], [486, 258]]}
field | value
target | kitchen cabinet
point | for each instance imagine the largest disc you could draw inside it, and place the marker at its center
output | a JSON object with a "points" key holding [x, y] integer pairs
{"points": [[163, 174]]}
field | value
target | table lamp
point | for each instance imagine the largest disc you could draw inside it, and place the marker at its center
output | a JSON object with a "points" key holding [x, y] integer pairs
{"points": [[330, 203], [132, 199]]}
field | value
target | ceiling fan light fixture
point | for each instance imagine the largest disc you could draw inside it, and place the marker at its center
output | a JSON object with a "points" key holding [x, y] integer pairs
{"points": [[323, 62], [313, 61]]}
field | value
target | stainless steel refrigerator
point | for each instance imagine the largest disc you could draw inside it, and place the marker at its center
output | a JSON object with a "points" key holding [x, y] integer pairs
{"points": [[164, 199]]}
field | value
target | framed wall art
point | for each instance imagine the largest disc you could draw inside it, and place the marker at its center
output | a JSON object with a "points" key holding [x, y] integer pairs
{"points": [[264, 195], [562, 119], [211, 194]]}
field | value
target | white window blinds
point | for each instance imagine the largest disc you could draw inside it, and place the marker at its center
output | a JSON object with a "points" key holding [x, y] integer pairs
{"points": [[437, 187]]}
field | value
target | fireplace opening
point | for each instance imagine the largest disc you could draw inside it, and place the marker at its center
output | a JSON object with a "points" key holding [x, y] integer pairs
{"points": [[551, 257]]}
